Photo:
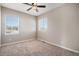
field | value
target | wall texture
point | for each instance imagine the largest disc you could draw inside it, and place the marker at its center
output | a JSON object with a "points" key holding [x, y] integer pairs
{"points": [[63, 26], [0, 25], [27, 26]]}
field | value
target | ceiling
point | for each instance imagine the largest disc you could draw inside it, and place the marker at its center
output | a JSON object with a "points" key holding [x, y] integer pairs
{"points": [[22, 7]]}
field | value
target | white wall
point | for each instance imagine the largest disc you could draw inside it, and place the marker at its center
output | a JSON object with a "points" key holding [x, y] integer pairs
{"points": [[0, 25], [27, 26], [70, 26], [63, 27]]}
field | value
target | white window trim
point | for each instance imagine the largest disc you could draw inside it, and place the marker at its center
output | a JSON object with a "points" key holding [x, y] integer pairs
{"points": [[5, 26]]}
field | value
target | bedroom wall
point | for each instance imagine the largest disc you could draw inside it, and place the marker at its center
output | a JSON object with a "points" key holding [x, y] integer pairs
{"points": [[63, 27], [27, 26], [0, 25]]}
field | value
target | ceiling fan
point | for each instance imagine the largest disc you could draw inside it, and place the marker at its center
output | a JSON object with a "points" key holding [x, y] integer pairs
{"points": [[34, 6]]}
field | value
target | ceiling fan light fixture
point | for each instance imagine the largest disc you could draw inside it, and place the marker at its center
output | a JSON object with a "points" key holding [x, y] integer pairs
{"points": [[34, 7]]}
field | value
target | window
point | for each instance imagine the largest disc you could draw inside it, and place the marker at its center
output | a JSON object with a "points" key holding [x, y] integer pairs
{"points": [[42, 24], [11, 25]]}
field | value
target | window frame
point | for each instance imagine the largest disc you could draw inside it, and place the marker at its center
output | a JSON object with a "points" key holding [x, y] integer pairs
{"points": [[42, 21], [18, 25]]}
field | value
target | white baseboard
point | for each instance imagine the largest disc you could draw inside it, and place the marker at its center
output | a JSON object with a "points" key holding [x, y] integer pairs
{"points": [[75, 51], [6, 44]]}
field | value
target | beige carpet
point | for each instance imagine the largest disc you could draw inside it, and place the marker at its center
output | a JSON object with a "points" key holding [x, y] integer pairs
{"points": [[34, 48]]}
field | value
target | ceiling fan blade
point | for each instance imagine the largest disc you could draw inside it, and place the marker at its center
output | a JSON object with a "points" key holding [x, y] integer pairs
{"points": [[42, 6], [28, 4], [29, 8], [32, 3]]}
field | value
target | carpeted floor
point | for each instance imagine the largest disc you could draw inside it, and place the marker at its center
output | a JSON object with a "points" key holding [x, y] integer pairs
{"points": [[34, 48]]}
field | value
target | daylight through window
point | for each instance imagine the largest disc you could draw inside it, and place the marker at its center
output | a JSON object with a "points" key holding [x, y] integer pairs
{"points": [[11, 24], [43, 24]]}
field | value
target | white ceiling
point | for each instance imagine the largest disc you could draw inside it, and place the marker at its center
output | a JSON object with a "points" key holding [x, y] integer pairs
{"points": [[22, 7]]}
